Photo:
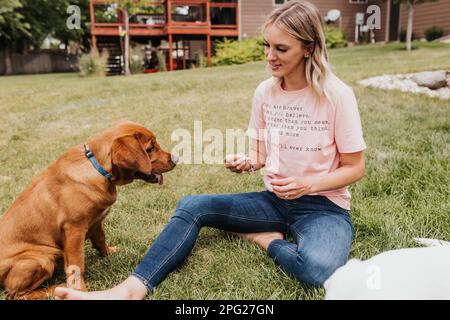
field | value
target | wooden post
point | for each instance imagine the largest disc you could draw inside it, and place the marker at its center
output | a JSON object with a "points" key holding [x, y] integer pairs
{"points": [[176, 52], [169, 13], [208, 44], [92, 13], [208, 13], [169, 23], [208, 37], [170, 52], [94, 42], [184, 54]]}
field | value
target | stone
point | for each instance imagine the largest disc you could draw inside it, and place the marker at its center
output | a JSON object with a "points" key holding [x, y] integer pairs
{"points": [[431, 79], [404, 82]]}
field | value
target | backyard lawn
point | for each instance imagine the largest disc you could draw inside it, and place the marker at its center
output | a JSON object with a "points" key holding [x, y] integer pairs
{"points": [[405, 193]]}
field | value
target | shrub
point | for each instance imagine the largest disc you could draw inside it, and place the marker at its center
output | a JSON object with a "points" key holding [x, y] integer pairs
{"points": [[136, 61], [334, 38], [93, 64], [230, 52], [433, 33], [237, 52]]}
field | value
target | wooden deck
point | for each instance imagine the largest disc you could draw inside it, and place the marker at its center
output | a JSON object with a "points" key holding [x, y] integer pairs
{"points": [[168, 24]]}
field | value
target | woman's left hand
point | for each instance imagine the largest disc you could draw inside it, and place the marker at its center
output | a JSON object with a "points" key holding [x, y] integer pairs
{"points": [[292, 188]]}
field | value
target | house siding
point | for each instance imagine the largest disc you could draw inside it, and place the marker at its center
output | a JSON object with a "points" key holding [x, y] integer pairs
{"points": [[380, 34], [254, 12], [348, 13], [427, 15], [253, 15]]}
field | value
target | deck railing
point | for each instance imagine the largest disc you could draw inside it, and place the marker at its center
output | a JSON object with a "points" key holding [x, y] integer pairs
{"points": [[202, 17]]}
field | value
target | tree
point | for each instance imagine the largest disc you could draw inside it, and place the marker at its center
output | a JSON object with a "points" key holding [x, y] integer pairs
{"points": [[129, 7], [25, 23], [12, 26], [49, 18], [82, 35], [409, 30], [12, 23]]}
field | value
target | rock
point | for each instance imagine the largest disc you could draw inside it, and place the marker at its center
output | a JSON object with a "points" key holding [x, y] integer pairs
{"points": [[448, 79], [431, 79], [404, 82]]}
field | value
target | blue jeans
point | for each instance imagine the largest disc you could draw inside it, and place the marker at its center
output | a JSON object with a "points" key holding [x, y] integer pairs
{"points": [[322, 232]]}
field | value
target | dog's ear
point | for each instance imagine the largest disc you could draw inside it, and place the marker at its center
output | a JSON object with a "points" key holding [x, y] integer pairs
{"points": [[129, 153]]}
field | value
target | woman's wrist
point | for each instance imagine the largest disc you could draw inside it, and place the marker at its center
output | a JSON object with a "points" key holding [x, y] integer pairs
{"points": [[249, 165], [314, 185]]}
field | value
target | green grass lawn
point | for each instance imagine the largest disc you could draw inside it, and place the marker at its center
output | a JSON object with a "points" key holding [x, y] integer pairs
{"points": [[404, 194]]}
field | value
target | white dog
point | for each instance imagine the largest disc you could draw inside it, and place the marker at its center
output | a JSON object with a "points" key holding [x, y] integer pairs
{"points": [[403, 274]]}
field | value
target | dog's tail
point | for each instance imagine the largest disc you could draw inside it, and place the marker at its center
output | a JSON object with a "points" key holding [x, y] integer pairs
{"points": [[431, 242]]}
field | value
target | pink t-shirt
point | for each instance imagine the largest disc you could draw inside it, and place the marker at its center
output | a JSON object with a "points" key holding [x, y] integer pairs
{"points": [[304, 136]]}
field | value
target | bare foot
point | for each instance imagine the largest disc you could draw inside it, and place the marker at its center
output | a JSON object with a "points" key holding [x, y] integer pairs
{"points": [[131, 289], [71, 294], [262, 239]]}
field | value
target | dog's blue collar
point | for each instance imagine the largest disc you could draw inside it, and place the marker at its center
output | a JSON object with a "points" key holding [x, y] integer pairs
{"points": [[88, 153]]}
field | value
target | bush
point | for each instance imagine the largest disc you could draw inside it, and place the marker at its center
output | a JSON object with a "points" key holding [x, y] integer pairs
{"points": [[136, 61], [433, 33], [230, 52], [93, 64], [403, 35], [238, 52], [334, 38]]}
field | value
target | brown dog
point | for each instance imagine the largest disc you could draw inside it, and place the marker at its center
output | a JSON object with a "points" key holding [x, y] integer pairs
{"points": [[67, 203]]}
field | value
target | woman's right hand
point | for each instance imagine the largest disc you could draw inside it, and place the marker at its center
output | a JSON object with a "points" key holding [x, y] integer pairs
{"points": [[237, 163]]}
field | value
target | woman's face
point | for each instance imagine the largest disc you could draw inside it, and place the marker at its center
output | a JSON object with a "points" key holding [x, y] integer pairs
{"points": [[284, 53]]}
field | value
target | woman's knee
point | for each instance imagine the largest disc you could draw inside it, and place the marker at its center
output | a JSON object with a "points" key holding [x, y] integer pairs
{"points": [[192, 206], [319, 266]]}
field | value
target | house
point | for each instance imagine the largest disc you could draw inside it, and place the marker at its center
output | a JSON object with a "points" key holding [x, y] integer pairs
{"points": [[253, 13], [185, 30], [394, 17]]}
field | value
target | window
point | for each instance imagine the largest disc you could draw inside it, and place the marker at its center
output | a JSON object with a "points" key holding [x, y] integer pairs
{"points": [[279, 2], [358, 1]]}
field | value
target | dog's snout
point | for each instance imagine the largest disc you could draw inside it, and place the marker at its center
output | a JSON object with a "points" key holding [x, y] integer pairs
{"points": [[174, 159]]}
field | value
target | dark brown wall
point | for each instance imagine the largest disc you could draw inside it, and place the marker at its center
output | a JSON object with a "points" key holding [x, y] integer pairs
{"points": [[427, 15]]}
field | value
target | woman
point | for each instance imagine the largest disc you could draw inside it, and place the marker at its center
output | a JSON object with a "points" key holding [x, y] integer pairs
{"points": [[306, 131]]}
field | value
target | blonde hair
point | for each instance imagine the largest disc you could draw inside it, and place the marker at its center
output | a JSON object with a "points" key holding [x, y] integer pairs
{"points": [[302, 21]]}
